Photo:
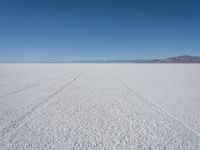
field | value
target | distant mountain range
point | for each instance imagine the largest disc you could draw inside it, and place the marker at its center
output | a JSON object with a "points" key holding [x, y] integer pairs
{"points": [[178, 59]]}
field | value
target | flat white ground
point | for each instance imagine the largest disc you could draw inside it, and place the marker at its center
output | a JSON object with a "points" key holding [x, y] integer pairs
{"points": [[100, 106]]}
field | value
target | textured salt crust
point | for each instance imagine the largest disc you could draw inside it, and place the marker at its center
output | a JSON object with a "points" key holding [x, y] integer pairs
{"points": [[99, 106]]}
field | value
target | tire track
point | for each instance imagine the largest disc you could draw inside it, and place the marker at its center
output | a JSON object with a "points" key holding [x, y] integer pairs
{"points": [[16, 123], [169, 88], [31, 86], [190, 99], [167, 116]]}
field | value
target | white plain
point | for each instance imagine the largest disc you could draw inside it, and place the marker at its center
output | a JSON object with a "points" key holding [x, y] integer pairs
{"points": [[100, 106]]}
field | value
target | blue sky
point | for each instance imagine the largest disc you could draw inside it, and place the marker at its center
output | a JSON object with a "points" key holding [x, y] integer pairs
{"points": [[57, 30]]}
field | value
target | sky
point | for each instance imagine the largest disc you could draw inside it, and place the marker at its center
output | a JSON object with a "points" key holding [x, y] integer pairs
{"points": [[65, 30]]}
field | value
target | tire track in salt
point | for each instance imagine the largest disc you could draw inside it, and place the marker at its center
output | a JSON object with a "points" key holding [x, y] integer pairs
{"points": [[170, 89], [159, 110], [16, 123], [31, 86]]}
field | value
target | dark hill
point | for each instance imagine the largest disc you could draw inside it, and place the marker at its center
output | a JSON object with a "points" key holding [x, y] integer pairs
{"points": [[178, 59]]}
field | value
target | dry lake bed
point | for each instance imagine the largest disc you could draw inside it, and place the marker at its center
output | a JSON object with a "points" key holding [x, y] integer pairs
{"points": [[100, 106]]}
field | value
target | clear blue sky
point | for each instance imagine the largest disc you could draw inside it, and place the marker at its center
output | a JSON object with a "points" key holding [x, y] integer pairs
{"points": [[53, 30]]}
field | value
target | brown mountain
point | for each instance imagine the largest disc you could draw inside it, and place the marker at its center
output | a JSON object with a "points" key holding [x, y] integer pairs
{"points": [[179, 59]]}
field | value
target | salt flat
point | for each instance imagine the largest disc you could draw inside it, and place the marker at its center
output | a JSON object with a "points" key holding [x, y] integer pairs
{"points": [[100, 106]]}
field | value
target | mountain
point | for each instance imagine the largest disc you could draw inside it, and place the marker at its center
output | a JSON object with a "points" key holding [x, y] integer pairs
{"points": [[178, 59]]}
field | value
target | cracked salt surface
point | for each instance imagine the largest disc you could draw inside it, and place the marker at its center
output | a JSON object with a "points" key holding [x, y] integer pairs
{"points": [[99, 106]]}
